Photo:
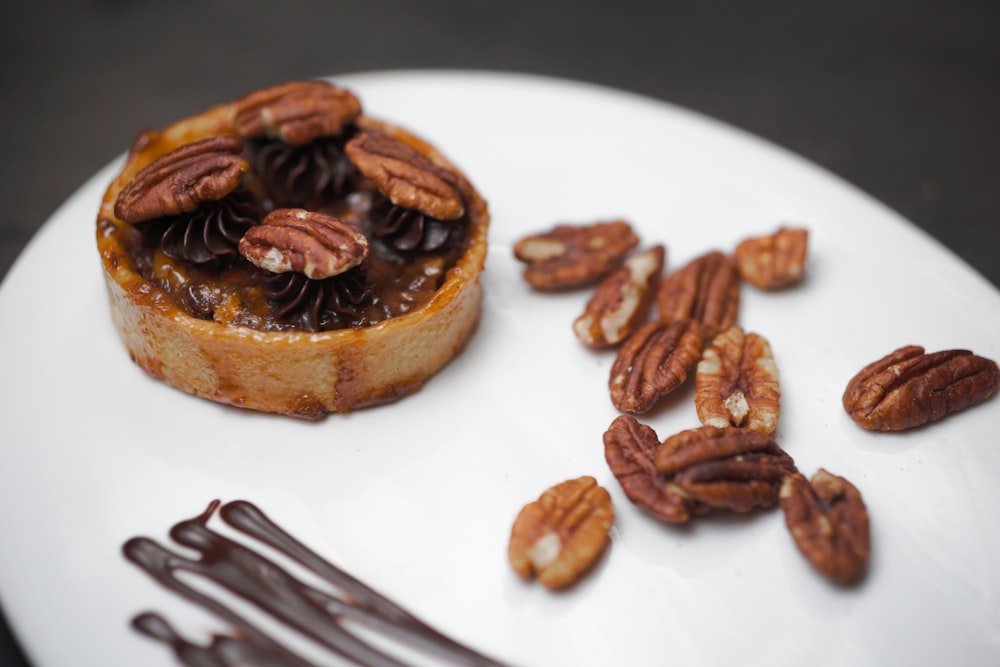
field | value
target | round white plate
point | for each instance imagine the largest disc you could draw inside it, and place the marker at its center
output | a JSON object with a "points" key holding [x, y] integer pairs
{"points": [[417, 498]]}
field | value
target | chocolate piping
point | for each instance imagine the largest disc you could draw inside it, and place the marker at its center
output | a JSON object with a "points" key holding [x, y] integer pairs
{"points": [[315, 613]]}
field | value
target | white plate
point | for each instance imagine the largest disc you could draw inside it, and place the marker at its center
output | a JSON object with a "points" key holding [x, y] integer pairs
{"points": [[417, 498]]}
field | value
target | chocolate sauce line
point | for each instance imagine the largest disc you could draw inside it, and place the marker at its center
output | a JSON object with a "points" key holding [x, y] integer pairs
{"points": [[263, 583]]}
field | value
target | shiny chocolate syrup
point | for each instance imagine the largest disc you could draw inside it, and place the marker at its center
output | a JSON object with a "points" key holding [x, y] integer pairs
{"points": [[325, 617]]}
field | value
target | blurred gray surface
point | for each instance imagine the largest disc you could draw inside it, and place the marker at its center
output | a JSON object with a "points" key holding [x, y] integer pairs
{"points": [[899, 97]]}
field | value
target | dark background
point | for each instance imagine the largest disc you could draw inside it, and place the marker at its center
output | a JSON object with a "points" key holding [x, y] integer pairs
{"points": [[899, 97]]}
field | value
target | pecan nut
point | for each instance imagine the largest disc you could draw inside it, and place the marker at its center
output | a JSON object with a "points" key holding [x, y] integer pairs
{"points": [[407, 177], [775, 261], [706, 289], [725, 468], [622, 301], [570, 256], [653, 362], [737, 382], [297, 112], [180, 180], [630, 450], [909, 387], [558, 537], [312, 243], [829, 522]]}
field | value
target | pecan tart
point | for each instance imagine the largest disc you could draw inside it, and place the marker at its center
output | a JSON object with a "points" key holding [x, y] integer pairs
{"points": [[287, 253]]}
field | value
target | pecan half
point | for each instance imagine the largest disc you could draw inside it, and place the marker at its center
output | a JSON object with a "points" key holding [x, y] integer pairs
{"points": [[725, 468], [570, 256], [622, 300], [775, 261], [315, 244], [297, 112], [737, 382], [706, 289], [630, 450], [407, 177], [829, 522], [558, 537], [654, 361], [909, 388], [178, 181]]}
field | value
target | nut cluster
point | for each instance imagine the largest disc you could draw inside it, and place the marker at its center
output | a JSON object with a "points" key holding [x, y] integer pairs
{"points": [[732, 462], [695, 471], [693, 332]]}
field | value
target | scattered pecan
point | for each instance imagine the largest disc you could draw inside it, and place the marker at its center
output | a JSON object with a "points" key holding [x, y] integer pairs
{"points": [[724, 468], [737, 382], [178, 181], [775, 261], [706, 289], [630, 450], [829, 523], [622, 300], [908, 387], [654, 361], [558, 537], [570, 256], [312, 243], [407, 177], [297, 112]]}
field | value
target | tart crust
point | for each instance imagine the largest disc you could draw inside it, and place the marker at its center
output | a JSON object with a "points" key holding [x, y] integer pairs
{"points": [[298, 373]]}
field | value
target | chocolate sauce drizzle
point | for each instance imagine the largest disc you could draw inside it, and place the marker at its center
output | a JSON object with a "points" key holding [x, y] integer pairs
{"points": [[316, 614], [319, 305], [302, 176], [209, 233], [409, 230]]}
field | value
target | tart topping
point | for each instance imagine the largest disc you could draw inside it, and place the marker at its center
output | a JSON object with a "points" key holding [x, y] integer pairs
{"points": [[319, 305], [296, 112], [308, 242], [306, 176], [179, 181], [408, 230], [208, 233], [407, 177], [350, 239]]}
